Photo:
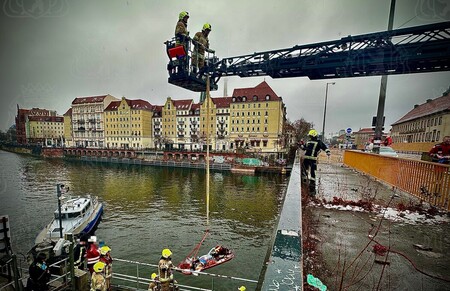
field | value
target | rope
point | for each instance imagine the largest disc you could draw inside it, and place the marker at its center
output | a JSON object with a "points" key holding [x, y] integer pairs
{"points": [[196, 249], [386, 249]]}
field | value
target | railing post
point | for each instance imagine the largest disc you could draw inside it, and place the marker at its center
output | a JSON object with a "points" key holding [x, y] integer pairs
{"points": [[69, 237], [16, 273], [137, 276]]}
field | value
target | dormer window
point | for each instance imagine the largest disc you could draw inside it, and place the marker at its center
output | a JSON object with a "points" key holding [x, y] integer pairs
{"points": [[267, 97], [244, 98], [255, 98], [234, 99]]}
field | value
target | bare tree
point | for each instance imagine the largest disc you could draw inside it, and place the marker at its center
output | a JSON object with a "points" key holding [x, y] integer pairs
{"points": [[301, 128]]}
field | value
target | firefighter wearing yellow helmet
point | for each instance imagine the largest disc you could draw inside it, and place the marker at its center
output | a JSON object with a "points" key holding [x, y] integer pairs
{"points": [[154, 283], [181, 32], [105, 257], [98, 281], [201, 44], [309, 164], [165, 270]]}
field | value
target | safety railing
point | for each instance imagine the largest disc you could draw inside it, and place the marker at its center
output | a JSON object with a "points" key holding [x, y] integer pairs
{"points": [[427, 181], [144, 269]]}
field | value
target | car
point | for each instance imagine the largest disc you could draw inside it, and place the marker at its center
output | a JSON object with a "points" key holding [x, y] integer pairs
{"points": [[388, 151]]}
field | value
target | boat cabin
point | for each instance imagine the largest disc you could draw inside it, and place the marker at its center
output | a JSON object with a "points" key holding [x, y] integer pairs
{"points": [[74, 208]]}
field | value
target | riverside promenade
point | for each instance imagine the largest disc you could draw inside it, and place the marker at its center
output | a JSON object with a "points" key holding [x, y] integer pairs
{"points": [[360, 234]]}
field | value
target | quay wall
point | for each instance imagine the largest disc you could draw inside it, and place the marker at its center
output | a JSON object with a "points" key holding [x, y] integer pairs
{"points": [[185, 159]]}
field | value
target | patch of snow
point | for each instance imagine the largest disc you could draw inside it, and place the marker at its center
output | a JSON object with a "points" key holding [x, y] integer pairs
{"points": [[392, 214]]}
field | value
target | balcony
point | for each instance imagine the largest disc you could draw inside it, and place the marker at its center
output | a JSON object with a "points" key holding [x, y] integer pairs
{"points": [[80, 121], [221, 129], [80, 129], [194, 122], [157, 122], [91, 120], [221, 122], [180, 122], [157, 129]]}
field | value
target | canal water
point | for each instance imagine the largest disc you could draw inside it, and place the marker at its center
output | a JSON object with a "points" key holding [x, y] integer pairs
{"points": [[147, 209]]}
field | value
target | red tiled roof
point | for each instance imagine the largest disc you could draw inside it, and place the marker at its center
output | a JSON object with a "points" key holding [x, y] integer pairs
{"points": [[68, 112], [222, 102], [195, 106], [137, 104], [182, 104], [89, 99], [157, 108], [113, 106], [261, 91], [430, 107]]}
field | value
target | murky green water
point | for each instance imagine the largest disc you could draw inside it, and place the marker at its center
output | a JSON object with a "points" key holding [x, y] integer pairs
{"points": [[148, 209]]}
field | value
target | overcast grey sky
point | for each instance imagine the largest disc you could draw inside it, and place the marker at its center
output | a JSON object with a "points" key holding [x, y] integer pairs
{"points": [[53, 51]]}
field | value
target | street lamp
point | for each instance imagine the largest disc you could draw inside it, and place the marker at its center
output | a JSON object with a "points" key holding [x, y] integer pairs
{"points": [[325, 110]]}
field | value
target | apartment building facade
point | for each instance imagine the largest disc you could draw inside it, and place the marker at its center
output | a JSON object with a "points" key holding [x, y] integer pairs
{"points": [[257, 117], [45, 130], [252, 119], [27, 135], [128, 124], [68, 128], [425, 123], [88, 120]]}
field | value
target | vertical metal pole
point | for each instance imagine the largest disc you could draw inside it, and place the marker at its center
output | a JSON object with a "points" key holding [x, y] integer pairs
{"points": [[207, 149], [58, 194], [16, 273], [324, 113], [382, 97], [71, 261], [137, 276]]}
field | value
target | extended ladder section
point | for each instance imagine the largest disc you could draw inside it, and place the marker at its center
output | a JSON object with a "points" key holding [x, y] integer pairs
{"points": [[416, 49]]}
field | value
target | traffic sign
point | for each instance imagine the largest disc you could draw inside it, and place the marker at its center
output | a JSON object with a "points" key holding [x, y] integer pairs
{"points": [[348, 130]]}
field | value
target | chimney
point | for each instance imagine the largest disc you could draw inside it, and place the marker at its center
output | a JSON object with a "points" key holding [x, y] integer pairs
{"points": [[429, 100], [225, 87], [416, 105]]}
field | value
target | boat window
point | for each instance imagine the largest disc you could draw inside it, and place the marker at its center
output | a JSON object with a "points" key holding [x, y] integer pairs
{"points": [[87, 206], [55, 229], [74, 214], [62, 215]]}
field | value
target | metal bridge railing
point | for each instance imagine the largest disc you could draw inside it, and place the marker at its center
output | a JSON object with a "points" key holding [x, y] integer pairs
{"points": [[137, 282], [427, 181]]}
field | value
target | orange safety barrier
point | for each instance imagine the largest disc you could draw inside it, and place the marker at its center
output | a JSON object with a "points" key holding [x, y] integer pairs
{"points": [[427, 181]]}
